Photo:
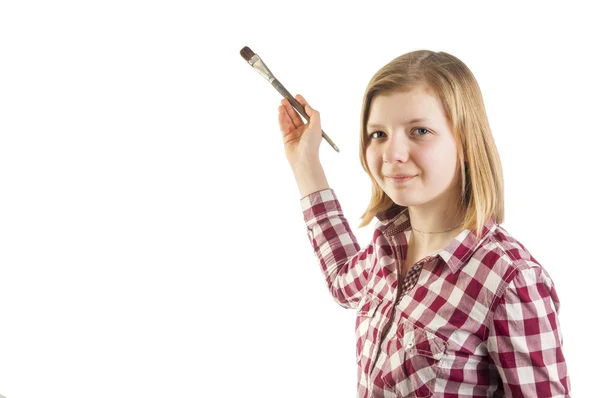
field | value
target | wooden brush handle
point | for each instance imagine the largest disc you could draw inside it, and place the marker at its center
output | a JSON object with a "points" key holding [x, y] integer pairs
{"points": [[298, 107]]}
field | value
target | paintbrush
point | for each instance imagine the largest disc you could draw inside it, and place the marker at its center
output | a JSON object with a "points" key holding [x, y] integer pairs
{"points": [[258, 64]]}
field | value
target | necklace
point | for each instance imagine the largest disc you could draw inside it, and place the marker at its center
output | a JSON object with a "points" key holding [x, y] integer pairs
{"points": [[446, 230]]}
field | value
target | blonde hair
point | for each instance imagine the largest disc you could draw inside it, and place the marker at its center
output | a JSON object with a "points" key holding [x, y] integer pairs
{"points": [[455, 86]]}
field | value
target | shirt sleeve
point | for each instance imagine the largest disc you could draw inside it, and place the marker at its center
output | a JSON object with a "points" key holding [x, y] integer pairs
{"points": [[525, 341], [345, 266]]}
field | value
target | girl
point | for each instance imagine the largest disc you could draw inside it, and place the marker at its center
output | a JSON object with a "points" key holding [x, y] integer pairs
{"points": [[448, 303]]}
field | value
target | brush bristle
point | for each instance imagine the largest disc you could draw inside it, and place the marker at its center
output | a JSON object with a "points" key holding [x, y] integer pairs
{"points": [[246, 53]]}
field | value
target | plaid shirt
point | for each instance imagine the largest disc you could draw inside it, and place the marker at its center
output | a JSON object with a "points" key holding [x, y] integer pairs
{"points": [[477, 318]]}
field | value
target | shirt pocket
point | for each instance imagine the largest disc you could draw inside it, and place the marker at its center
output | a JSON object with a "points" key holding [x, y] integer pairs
{"points": [[364, 325], [415, 368]]}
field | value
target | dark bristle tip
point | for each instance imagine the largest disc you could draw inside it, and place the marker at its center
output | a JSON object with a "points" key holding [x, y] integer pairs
{"points": [[246, 53]]}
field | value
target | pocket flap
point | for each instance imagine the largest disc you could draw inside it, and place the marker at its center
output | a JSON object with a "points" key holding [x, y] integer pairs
{"points": [[422, 341]]}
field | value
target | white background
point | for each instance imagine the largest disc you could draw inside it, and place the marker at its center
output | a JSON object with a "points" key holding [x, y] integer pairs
{"points": [[151, 237]]}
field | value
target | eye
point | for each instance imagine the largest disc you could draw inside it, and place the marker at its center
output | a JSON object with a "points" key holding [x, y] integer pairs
{"points": [[422, 129], [371, 135], [420, 132]]}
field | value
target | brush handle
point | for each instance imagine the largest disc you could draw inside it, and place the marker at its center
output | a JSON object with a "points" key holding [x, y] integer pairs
{"points": [[297, 106], [286, 94]]}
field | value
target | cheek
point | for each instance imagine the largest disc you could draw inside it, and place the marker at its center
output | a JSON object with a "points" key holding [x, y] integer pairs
{"points": [[436, 165], [372, 161]]}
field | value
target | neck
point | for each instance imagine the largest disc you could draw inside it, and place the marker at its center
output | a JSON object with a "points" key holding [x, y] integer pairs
{"points": [[429, 219]]}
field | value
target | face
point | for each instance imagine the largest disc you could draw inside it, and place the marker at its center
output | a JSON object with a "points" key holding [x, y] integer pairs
{"points": [[408, 134]]}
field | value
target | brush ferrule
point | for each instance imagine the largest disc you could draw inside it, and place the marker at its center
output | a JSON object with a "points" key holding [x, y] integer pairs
{"points": [[260, 66]]}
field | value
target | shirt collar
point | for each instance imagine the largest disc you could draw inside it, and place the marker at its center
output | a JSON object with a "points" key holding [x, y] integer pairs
{"points": [[456, 254], [387, 216]]}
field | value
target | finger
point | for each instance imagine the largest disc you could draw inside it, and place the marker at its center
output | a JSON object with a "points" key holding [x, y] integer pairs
{"points": [[291, 112], [312, 113], [307, 108], [301, 99], [285, 124]]}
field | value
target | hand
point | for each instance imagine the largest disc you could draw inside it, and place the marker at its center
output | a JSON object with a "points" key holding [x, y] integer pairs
{"points": [[301, 140]]}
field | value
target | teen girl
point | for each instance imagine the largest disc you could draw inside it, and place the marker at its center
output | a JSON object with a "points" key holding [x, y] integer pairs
{"points": [[449, 304]]}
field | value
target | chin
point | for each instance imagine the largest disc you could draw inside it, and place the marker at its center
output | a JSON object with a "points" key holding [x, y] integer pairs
{"points": [[405, 201], [408, 204]]}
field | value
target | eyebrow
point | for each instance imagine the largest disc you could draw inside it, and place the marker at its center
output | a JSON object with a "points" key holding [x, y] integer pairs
{"points": [[416, 120]]}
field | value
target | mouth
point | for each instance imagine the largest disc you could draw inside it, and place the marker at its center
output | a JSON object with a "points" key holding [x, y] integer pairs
{"points": [[400, 180]]}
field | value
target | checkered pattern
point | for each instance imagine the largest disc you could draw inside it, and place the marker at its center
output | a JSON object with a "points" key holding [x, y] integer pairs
{"points": [[478, 318]]}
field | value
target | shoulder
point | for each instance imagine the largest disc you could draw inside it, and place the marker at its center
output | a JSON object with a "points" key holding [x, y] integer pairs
{"points": [[504, 254], [501, 261], [514, 272]]}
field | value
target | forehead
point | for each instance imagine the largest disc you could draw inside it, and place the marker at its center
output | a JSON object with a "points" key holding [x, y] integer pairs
{"points": [[402, 107]]}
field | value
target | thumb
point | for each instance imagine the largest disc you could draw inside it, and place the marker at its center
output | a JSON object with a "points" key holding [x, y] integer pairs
{"points": [[312, 113]]}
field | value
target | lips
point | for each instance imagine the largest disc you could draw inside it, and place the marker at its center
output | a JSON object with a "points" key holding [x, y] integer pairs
{"points": [[401, 180], [400, 175]]}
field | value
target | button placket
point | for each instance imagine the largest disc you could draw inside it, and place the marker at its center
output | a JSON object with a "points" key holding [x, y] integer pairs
{"points": [[388, 319]]}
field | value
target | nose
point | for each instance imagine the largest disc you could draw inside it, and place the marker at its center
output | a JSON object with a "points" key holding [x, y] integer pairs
{"points": [[396, 149]]}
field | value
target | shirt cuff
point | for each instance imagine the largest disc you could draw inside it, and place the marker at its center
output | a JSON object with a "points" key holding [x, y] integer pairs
{"points": [[319, 205]]}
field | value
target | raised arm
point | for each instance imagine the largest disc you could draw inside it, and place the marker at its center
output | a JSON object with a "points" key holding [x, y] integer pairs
{"points": [[344, 266]]}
